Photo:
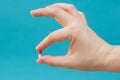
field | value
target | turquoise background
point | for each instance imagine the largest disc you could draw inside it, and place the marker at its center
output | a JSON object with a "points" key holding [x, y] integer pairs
{"points": [[20, 33]]}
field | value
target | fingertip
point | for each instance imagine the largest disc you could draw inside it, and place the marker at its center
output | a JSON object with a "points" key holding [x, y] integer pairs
{"points": [[32, 12], [37, 48], [40, 60], [40, 47]]}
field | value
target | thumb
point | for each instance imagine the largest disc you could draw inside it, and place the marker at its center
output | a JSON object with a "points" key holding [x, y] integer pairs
{"points": [[61, 61], [56, 36]]}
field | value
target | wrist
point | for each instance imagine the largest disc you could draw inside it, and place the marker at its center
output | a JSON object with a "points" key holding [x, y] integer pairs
{"points": [[112, 62], [103, 53]]}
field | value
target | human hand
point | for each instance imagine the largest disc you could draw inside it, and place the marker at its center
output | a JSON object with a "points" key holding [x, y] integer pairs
{"points": [[87, 51]]}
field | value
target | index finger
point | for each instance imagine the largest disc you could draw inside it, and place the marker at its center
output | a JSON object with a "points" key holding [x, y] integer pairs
{"points": [[60, 15]]}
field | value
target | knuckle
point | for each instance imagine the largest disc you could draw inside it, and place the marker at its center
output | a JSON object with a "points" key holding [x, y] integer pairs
{"points": [[68, 33], [71, 6], [51, 63], [47, 6], [56, 9], [48, 61], [52, 9], [55, 4], [51, 36], [81, 13], [69, 63], [76, 30]]}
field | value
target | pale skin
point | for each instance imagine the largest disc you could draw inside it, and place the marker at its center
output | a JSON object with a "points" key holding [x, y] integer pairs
{"points": [[87, 50]]}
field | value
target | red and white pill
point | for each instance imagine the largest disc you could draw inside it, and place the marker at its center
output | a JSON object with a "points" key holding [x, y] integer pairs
{"points": [[39, 53]]}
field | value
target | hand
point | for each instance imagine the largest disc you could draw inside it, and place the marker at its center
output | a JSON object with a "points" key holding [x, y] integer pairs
{"points": [[86, 52]]}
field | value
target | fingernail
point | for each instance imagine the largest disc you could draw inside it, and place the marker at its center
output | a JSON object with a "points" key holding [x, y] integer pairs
{"points": [[31, 11], [40, 60], [37, 61], [36, 48]]}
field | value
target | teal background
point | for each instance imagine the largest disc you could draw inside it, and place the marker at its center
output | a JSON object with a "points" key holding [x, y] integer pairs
{"points": [[20, 33]]}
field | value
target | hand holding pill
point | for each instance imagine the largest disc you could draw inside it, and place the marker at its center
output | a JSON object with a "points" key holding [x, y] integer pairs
{"points": [[87, 50]]}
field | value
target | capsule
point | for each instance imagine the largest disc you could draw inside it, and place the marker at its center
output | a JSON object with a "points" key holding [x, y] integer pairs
{"points": [[39, 53]]}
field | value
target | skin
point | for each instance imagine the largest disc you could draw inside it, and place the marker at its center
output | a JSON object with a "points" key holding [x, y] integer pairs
{"points": [[87, 50]]}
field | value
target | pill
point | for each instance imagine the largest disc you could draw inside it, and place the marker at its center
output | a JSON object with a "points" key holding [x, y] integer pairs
{"points": [[39, 53]]}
